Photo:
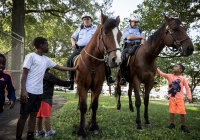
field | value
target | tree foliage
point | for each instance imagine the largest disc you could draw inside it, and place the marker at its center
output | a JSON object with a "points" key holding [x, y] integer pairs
{"points": [[55, 20], [152, 18]]}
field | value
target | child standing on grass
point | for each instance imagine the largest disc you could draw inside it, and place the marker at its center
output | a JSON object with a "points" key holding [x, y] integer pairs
{"points": [[46, 104], [6, 84], [175, 90], [34, 67]]}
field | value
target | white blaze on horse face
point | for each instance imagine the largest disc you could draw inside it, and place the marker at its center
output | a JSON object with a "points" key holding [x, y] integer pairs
{"points": [[118, 53]]}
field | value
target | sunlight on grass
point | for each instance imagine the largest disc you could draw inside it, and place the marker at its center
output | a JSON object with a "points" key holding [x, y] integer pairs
{"points": [[194, 108], [121, 125]]}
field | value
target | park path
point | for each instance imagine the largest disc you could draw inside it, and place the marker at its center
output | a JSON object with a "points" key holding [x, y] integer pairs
{"points": [[8, 122]]}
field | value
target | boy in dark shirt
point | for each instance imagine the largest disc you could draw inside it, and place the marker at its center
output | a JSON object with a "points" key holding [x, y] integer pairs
{"points": [[46, 104], [6, 84]]}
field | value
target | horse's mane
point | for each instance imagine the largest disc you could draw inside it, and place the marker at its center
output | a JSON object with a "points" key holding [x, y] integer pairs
{"points": [[110, 24], [154, 37]]}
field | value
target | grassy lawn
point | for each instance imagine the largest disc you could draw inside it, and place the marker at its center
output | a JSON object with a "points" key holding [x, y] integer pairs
{"points": [[120, 125]]}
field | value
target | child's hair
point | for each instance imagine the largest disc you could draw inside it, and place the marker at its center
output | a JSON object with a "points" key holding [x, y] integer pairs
{"points": [[182, 67], [2, 56], [39, 40]]}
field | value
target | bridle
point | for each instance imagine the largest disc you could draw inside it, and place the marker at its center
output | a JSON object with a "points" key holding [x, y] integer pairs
{"points": [[176, 43], [105, 54]]}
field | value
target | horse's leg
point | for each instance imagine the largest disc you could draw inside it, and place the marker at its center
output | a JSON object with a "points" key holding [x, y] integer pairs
{"points": [[93, 126], [83, 109], [136, 86], [118, 89], [130, 97], [148, 88]]}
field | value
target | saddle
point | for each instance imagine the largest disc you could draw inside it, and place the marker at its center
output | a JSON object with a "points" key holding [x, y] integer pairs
{"points": [[130, 52], [74, 60]]}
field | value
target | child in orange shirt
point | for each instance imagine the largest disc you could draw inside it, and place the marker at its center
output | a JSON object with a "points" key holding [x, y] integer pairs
{"points": [[175, 90]]}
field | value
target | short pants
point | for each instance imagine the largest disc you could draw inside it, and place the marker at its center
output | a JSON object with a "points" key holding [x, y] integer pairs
{"points": [[176, 105], [45, 108], [32, 105]]}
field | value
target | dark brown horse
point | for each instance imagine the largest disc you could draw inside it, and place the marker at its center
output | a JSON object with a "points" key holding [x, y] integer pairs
{"points": [[142, 66], [103, 46]]}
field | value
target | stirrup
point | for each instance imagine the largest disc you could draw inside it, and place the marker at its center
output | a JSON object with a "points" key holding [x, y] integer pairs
{"points": [[123, 82]]}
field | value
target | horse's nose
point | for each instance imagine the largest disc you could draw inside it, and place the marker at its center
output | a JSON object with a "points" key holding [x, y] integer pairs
{"points": [[113, 59], [190, 50]]}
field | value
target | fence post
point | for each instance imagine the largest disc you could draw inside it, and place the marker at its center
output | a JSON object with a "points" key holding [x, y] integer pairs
{"points": [[14, 53]]}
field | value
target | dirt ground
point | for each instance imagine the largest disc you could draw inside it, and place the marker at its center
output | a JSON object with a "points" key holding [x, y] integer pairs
{"points": [[9, 119]]}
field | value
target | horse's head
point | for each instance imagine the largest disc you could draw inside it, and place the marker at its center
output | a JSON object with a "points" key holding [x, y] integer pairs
{"points": [[176, 37], [110, 37]]}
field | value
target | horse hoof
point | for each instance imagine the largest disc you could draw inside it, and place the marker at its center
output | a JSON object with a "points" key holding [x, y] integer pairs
{"points": [[96, 132], [148, 125], [139, 130], [80, 138]]}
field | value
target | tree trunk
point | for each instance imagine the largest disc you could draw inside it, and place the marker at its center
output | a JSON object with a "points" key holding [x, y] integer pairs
{"points": [[18, 19]]}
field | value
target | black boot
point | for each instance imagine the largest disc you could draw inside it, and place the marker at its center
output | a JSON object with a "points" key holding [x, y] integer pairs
{"points": [[71, 78], [123, 73], [109, 78]]}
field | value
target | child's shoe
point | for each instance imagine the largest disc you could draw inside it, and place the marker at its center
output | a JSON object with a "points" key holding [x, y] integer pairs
{"points": [[171, 126], [184, 128], [40, 133], [50, 133]]}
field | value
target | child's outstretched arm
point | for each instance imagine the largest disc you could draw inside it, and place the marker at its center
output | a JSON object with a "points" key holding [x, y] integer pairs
{"points": [[54, 80], [62, 68], [162, 73]]}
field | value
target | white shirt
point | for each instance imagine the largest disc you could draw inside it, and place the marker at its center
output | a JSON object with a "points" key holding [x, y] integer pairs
{"points": [[37, 66]]}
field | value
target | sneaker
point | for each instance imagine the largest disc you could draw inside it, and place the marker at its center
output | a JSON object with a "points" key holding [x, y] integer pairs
{"points": [[110, 81], [184, 128], [123, 82], [171, 126], [40, 133], [50, 133]]}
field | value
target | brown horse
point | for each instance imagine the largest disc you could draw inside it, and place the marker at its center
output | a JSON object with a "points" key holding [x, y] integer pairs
{"points": [[103, 46], [142, 66]]}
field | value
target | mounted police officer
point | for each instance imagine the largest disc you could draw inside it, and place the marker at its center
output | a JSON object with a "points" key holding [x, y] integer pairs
{"points": [[133, 38], [79, 40]]}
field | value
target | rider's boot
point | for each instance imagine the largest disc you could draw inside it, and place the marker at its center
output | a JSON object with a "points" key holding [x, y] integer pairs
{"points": [[70, 76], [123, 74], [109, 78]]}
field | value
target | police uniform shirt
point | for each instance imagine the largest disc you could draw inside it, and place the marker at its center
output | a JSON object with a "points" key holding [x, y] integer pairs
{"points": [[83, 36], [131, 31]]}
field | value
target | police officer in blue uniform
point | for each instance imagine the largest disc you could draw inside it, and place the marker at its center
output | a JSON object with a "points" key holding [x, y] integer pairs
{"points": [[79, 40], [132, 37]]}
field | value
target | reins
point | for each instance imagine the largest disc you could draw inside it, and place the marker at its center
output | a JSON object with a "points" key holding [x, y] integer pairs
{"points": [[167, 56]]}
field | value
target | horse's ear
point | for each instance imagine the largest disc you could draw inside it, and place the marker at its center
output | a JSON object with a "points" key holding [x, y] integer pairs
{"points": [[103, 18], [118, 20], [167, 19]]}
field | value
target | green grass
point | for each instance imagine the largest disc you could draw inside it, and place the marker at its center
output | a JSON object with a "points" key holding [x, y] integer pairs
{"points": [[120, 125]]}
